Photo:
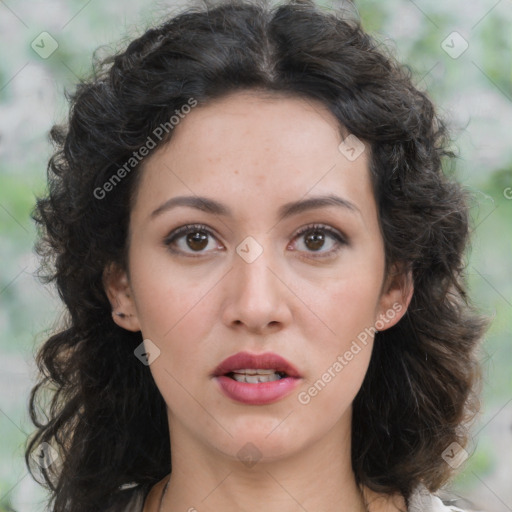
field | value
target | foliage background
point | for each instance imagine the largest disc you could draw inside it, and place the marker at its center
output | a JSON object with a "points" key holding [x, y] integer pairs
{"points": [[473, 91]]}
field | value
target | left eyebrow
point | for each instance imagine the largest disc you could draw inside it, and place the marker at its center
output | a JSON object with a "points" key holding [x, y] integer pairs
{"points": [[296, 207], [212, 206]]}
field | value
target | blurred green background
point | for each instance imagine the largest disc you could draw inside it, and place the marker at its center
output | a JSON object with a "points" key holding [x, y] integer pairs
{"points": [[459, 52]]}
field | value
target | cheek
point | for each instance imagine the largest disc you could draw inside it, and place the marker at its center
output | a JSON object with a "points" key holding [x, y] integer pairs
{"points": [[339, 361], [347, 307], [175, 312], [166, 296], [341, 348], [353, 318]]}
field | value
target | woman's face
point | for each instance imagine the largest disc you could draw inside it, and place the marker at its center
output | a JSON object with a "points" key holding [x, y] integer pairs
{"points": [[246, 280]]}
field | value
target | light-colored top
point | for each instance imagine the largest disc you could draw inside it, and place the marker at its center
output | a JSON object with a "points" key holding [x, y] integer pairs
{"points": [[421, 500]]}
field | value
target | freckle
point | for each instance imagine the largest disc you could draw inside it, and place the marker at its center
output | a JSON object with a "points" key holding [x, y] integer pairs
{"points": [[260, 180], [236, 171]]}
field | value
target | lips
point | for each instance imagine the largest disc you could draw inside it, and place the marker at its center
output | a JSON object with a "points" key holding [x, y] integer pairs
{"points": [[251, 390], [266, 361]]}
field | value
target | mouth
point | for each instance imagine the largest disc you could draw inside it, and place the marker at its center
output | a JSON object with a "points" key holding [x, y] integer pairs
{"points": [[251, 376], [256, 368], [256, 379]]}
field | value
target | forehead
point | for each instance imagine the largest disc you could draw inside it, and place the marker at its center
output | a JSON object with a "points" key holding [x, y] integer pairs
{"points": [[294, 124], [250, 145]]}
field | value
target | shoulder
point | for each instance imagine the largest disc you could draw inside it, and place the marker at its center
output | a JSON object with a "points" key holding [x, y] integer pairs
{"points": [[137, 498], [134, 497], [128, 498], [421, 500]]}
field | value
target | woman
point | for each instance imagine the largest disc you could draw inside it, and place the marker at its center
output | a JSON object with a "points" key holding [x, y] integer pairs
{"points": [[249, 225]]}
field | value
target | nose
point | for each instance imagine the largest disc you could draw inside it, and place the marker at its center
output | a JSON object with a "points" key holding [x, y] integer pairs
{"points": [[256, 296]]}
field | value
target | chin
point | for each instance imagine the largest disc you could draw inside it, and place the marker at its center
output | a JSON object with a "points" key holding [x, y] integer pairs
{"points": [[258, 446]]}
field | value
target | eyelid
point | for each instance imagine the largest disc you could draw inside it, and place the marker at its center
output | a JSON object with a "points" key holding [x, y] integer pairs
{"points": [[183, 230], [338, 235], [340, 238]]}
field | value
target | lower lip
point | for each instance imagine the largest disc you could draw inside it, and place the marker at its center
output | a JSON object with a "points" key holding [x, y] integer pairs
{"points": [[257, 394]]}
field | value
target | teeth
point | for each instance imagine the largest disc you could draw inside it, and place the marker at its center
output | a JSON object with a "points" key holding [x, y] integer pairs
{"points": [[255, 378], [252, 371]]}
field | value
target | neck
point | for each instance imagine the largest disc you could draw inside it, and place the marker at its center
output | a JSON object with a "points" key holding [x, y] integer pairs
{"points": [[316, 477]]}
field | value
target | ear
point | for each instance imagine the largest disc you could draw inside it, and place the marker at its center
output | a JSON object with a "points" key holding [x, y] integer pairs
{"points": [[118, 290], [395, 297]]}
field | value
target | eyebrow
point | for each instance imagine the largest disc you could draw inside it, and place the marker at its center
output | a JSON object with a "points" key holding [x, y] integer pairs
{"points": [[208, 205]]}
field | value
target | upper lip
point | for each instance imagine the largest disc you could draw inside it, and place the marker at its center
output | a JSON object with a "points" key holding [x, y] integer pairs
{"points": [[265, 361]]}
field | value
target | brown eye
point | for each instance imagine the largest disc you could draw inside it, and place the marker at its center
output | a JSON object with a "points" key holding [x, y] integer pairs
{"points": [[197, 241], [315, 240], [190, 239], [320, 239]]}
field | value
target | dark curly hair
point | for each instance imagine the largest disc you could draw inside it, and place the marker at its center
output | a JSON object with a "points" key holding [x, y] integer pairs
{"points": [[106, 417]]}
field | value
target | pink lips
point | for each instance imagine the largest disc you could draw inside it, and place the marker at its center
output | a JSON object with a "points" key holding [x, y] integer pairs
{"points": [[260, 393]]}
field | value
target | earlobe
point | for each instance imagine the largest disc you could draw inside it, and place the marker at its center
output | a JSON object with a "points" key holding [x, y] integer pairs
{"points": [[118, 291], [395, 298]]}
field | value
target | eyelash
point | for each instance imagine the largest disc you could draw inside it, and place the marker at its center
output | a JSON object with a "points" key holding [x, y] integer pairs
{"points": [[192, 228]]}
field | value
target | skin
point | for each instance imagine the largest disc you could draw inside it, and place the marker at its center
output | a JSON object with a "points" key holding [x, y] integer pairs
{"points": [[254, 153]]}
